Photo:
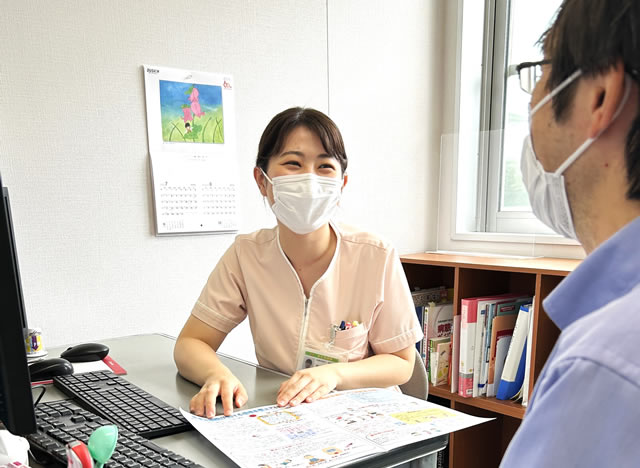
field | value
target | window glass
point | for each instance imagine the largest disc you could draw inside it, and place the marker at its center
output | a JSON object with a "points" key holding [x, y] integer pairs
{"points": [[527, 21]]}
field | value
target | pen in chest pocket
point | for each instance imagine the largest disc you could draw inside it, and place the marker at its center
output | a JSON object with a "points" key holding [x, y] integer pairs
{"points": [[344, 325]]}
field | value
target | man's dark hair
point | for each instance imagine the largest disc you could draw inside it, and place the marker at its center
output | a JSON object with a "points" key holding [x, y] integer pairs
{"points": [[593, 36], [281, 125]]}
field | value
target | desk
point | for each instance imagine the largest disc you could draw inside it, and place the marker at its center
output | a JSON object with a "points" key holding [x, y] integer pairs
{"points": [[148, 360]]}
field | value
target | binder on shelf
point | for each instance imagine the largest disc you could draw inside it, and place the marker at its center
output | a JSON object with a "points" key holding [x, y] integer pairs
{"points": [[513, 372], [509, 305], [527, 363]]}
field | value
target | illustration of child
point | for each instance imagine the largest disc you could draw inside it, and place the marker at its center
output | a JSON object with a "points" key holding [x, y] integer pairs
{"points": [[313, 460]]}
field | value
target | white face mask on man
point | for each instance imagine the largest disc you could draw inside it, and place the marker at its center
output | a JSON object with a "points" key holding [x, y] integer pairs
{"points": [[305, 202], [547, 191]]}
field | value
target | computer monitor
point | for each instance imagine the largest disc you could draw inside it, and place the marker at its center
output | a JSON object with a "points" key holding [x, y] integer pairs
{"points": [[16, 403]]}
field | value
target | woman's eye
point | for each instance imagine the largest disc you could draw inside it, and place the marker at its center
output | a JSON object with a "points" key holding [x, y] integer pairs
{"points": [[293, 163], [327, 166]]}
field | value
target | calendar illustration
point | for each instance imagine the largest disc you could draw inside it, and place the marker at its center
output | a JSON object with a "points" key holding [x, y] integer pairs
{"points": [[191, 130]]}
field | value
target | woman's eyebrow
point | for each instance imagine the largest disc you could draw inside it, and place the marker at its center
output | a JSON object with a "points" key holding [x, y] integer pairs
{"points": [[302, 155]]}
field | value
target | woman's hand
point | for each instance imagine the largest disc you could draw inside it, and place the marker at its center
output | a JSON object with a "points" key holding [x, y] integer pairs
{"points": [[308, 385], [227, 386]]}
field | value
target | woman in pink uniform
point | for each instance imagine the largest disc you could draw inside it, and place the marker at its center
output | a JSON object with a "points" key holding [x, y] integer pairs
{"points": [[297, 283]]}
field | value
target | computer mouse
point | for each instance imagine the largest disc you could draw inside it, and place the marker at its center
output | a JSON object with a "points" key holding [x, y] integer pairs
{"points": [[85, 352], [49, 368]]}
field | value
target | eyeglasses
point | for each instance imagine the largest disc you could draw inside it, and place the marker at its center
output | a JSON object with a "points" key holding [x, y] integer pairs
{"points": [[530, 73]]}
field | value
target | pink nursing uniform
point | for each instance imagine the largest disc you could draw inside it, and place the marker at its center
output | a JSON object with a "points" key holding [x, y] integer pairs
{"points": [[364, 282]]}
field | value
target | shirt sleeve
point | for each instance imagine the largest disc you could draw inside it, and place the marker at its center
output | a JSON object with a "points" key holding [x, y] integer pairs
{"points": [[582, 414], [395, 325], [221, 304]]}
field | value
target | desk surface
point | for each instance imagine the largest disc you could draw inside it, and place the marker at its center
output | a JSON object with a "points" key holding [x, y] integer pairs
{"points": [[148, 360]]}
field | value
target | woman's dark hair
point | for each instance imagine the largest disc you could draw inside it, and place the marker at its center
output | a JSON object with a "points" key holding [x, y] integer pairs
{"points": [[282, 124], [593, 36]]}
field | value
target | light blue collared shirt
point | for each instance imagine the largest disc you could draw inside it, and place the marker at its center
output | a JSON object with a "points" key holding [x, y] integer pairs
{"points": [[585, 408]]}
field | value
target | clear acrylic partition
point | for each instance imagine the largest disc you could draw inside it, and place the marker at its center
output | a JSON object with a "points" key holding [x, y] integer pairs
{"points": [[470, 184]]}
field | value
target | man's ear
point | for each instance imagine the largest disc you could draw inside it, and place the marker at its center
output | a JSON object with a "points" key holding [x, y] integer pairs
{"points": [[345, 179], [606, 98], [260, 180]]}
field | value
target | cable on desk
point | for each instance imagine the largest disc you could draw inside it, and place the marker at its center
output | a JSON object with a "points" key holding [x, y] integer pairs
{"points": [[44, 390]]}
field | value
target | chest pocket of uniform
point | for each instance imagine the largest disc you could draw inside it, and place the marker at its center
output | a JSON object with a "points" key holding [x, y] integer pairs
{"points": [[354, 340]]}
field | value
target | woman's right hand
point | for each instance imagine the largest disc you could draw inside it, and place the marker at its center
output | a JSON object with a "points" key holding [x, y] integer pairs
{"points": [[227, 386]]}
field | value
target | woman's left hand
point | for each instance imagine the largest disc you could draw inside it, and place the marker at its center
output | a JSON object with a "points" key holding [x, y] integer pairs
{"points": [[308, 385]]}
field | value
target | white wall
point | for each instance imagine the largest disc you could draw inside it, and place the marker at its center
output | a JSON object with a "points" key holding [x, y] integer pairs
{"points": [[73, 143], [385, 86]]}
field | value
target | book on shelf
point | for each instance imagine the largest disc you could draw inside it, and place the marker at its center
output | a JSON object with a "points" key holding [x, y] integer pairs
{"points": [[473, 312], [438, 320], [514, 364], [501, 333], [420, 345], [439, 352], [421, 298], [468, 322], [454, 365]]}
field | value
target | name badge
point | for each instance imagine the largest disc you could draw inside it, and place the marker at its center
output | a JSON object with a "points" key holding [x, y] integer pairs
{"points": [[313, 357]]}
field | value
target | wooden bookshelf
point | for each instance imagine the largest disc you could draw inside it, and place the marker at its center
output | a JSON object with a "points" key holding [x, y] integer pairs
{"points": [[469, 276]]}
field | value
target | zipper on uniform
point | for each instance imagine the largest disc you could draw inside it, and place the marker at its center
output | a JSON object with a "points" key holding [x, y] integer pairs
{"points": [[307, 300], [303, 330]]}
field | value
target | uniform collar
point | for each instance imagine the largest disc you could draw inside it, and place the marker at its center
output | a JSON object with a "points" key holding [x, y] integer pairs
{"points": [[608, 273]]}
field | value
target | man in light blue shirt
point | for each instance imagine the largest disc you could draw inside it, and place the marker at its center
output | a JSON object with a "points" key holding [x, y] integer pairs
{"points": [[581, 166]]}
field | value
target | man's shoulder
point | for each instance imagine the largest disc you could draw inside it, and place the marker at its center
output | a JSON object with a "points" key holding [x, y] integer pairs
{"points": [[606, 337]]}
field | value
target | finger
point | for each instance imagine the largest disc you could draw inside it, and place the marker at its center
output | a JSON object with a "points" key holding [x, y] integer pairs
{"points": [[304, 393], [226, 393], [210, 397], [241, 396], [196, 405], [285, 385], [291, 390], [321, 391]]}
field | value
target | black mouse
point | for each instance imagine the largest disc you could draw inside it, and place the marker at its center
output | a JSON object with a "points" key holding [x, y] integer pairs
{"points": [[85, 352], [48, 368]]}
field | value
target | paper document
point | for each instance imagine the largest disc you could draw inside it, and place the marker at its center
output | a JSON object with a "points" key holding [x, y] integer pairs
{"points": [[337, 429]]}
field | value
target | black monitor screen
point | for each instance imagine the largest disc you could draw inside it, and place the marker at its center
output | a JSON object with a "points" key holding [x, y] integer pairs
{"points": [[16, 404]]}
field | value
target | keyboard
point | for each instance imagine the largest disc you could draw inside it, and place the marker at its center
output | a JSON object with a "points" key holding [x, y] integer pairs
{"points": [[122, 403], [61, 422]]}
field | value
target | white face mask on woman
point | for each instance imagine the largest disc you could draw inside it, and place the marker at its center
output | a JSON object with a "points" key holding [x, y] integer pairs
{"points": [[547, 191], [305, 202]]}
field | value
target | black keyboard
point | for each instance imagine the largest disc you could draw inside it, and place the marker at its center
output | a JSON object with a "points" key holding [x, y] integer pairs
{"points": [[61, 422], [123, 403]]}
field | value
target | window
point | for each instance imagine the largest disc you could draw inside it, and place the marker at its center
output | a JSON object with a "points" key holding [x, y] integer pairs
{"points": [[512, 29], [483, 205]]}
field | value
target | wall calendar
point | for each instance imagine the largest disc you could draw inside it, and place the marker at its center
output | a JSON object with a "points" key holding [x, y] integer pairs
{"points": [[191, 130]]}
